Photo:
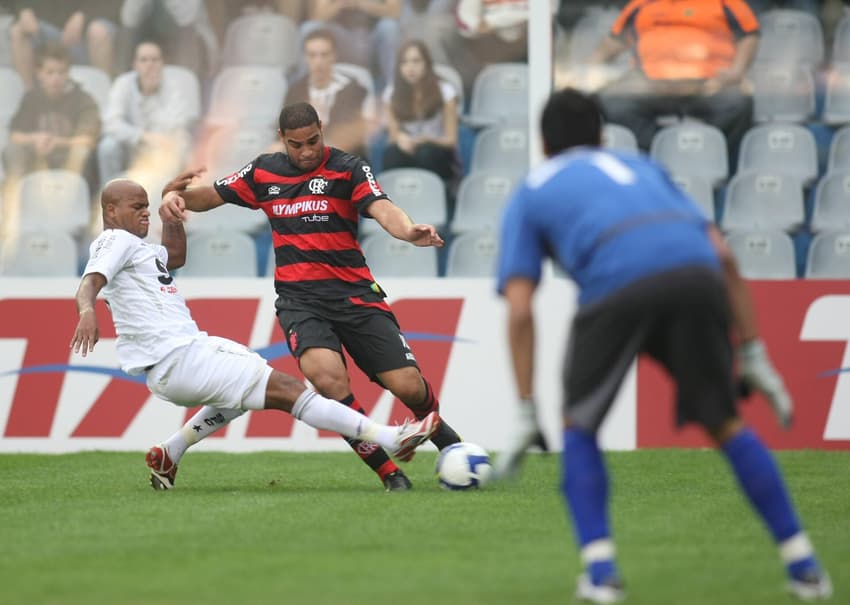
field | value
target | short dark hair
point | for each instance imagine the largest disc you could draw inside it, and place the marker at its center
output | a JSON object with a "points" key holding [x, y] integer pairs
{"points": [[53, 50], [320, 34], [297, 115], [571, 119]]}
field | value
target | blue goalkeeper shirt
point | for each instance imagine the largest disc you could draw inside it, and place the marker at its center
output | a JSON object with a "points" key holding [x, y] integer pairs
{"points": [[607, 218]]}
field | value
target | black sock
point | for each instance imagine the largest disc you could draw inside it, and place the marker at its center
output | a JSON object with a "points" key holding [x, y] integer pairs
{"points": [[370, 453], [445, 435]]}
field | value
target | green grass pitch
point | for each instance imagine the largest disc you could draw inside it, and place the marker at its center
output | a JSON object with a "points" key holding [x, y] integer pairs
{"points": [[317, 529]]}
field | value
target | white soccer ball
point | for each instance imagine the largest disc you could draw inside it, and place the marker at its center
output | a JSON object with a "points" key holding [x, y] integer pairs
{"points": [[463, 466]]}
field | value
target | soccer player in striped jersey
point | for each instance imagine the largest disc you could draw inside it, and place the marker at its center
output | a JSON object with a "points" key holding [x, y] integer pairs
{"points": [[157, 336], [313, 196]]}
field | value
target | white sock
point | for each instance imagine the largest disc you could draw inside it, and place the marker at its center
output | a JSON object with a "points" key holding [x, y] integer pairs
{"points": [[204, 423], [327, 414]]}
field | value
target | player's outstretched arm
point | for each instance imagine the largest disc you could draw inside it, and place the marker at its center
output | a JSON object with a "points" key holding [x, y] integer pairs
{"points": [[196, 199], [87, 332], [395, 221], [174, 238], [754, 366]]}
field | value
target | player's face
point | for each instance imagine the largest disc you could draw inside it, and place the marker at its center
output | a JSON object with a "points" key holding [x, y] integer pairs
{"points": [[53, 76], [412, 66], [132, 214], [304, 146]]}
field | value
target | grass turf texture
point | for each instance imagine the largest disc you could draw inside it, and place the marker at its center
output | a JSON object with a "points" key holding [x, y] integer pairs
{"points": [[317, 529]]}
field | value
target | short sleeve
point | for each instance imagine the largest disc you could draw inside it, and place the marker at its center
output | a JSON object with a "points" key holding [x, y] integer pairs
{"points": [[239, 188], [521, 248]]}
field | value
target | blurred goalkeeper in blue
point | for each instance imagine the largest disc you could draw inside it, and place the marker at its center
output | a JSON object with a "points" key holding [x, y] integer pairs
{"points": [[654, 277]]}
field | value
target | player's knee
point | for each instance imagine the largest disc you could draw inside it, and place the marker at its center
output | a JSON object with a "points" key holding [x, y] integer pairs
{"points": [[406, 384], [726, 430]]}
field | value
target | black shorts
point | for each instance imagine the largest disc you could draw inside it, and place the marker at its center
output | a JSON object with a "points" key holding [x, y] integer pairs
{"points": [[681, 319], [368, 330]]}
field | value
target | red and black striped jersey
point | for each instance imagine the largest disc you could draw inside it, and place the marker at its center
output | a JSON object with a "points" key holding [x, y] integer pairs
{"points": [[314, 218]]}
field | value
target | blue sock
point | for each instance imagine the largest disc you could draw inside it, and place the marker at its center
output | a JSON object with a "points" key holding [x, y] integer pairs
{"points": [[585, 487], [761, 481]]}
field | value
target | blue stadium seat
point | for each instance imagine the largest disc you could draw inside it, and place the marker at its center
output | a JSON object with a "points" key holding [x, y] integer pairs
{"points": [[222, 253], [831, 208], [40, 253], [481, 197], [501, 148], [692, 148], [473, 254], [391, 257], [829, 256], [788, 148], [758, 201], [763, 254], [499, 95], [421, 193]]}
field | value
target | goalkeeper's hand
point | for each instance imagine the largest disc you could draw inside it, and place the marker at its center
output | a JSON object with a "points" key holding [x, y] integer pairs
{"points": [[757, 372]]}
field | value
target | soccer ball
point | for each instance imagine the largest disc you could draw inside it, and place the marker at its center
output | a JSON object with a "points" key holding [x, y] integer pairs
{"points": [[463, 466]]}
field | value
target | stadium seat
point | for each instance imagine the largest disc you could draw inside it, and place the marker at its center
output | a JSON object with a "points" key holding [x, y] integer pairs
{"points": [[94, 81], [763, 254], [473, 254], [40, 253], [788, 148], [229, 149], [790, 37], [829, 256], [190, 88], [261, 39], [421, 193], [831, 208], [617, 137], [13, 90], [481, 197], [499, 95], [836, 109], [246, 95], [500, 149], [699, 191], [692, 148], [449, 74], [841, 41], [5, 42], [391, 257], [839, 151], [222, 253], [758, 201], [54, 200], [784, 93]]}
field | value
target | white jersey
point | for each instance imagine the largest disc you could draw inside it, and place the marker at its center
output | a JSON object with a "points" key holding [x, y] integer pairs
{"points": [[150, 317]]}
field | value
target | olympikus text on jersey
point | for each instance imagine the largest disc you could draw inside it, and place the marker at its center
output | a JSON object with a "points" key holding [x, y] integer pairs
{"points": [[314, 217]]}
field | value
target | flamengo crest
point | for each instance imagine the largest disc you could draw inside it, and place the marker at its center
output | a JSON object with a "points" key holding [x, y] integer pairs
{"points": [[318, 185]]}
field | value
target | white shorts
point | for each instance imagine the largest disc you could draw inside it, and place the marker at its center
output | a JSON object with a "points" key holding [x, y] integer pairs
{"points": [[211, 371]]}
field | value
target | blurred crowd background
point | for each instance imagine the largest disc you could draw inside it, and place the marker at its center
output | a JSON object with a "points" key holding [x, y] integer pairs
{"points": [[745, 102]]}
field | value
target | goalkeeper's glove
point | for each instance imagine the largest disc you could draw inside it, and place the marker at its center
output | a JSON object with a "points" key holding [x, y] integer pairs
{"points": [[757, 372], [526, 433]]}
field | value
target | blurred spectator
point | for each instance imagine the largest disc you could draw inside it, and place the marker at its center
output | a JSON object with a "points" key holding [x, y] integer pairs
{"points": [[147, 124], [487, 32], [429, 21], [86, 28], [57, 124], [692, 59], [367, 32], [422, 116], [345, 107], [181, 27]]}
